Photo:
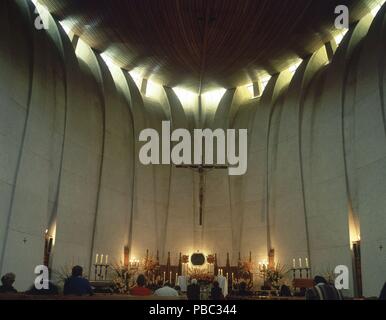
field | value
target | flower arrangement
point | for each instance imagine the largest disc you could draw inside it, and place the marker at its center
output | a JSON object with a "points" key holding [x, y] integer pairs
{"points": [[185, 259], [150, 265], [211, 259], [274, 275], [62, 275], [200, 275], [122, 278]]}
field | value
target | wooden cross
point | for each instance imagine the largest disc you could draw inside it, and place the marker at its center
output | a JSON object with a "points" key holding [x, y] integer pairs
{"points": [[201, 169]]}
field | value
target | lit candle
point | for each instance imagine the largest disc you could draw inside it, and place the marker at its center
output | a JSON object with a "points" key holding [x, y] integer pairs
{"points": [[101, 258], [170, 277], [96, 258], [164, 276], [307, 265], [107, 258], [227, 276], [294, 263], [300, 262], [176, 278]]}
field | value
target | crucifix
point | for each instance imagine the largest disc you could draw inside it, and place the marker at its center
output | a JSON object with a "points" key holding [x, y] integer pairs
{"points": [[202, 170]]}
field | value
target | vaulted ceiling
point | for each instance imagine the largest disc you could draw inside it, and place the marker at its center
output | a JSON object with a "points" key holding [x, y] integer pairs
{"points": [[201, 44]]}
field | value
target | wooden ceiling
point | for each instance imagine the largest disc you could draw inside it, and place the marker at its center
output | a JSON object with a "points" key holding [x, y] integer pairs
{"points": [[201, 44]]}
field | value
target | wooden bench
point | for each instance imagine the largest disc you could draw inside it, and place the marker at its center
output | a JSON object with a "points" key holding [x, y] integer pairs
{"points": [[21, 296]]}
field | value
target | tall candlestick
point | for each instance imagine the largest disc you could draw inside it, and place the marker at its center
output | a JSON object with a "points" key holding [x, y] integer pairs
{"points": [[96, 258], [101, 258], [107, 258], [176, 278], [294, 263], [307, 265], [164, 276], [300, 262], [170, 277]]}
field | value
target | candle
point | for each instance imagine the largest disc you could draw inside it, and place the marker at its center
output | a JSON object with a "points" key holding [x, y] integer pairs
{"points": [[101, 258], [233, 276], [294, 263], [227, 276], [176, 278], [164, 276], [307, 265], [170, 277], [96, 258], [300, 262], [107, 258]]}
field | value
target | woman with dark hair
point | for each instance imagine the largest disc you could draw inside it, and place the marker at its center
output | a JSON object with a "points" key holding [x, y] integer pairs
{"points": [[77, 284], [140, 290], [216, 292], [7, 282]]}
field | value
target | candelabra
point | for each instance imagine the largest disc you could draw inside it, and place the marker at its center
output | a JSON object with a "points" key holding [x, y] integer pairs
{"points": [[301, 270], [134, 264], [100, 271]]}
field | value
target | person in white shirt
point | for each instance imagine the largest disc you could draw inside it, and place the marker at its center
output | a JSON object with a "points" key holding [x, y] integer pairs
{"points": [[166, 291]]}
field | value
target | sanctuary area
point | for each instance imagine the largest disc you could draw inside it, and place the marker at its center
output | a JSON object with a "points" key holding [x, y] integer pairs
{"points": [[192, 149]]}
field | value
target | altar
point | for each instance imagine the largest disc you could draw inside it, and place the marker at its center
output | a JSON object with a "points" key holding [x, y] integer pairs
{"points": [[206, 286]]}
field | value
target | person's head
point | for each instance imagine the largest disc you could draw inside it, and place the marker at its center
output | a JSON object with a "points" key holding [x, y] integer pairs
{"points": [[194, 281], [77, 271], [285, 291], [141, 280], [320, 280], [160, 283], [178, 288], [167, 284], [216, 284], [8, 279], [243, 286]]}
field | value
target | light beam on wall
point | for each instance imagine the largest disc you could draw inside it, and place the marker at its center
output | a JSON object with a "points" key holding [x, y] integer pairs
{"points": [[339, 37], [264, 81], [213, 97], [292, 68], [137, 77], [187, 98], [377, 6], [154, 90]]}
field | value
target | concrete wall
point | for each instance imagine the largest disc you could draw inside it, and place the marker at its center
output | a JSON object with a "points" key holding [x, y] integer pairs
{"points": [[69, 126]]}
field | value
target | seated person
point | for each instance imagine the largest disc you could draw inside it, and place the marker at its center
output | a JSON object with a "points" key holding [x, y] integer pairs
{"points": [[166, 291], [216, 292], [7, 282], [140, 290], [285, 291], [76, 284], [243, 291], [383, 293], [193, 290], [323, 291]]}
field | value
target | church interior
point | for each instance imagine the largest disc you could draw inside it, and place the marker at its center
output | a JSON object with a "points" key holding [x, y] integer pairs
{"points": [[80, 81]]}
